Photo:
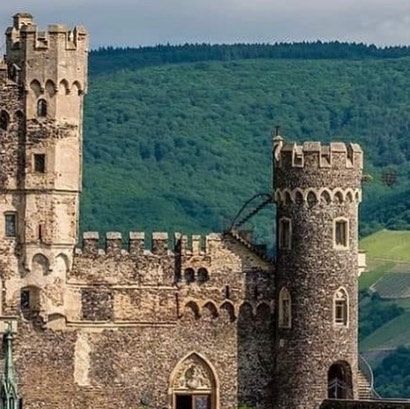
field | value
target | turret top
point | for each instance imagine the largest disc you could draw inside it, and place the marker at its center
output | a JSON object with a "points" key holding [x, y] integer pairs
{"points": [[315, 155]]}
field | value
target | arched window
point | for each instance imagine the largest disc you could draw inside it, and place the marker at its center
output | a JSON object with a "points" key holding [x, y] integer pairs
{"points": [[285, 309], [189, 275], [42, 108], [4, 120], [203, 275], [339, 380], [341, 307]]}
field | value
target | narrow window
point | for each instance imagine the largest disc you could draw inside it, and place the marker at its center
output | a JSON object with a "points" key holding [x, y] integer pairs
{"points": [[40, 232], [4, 120], [25, 299], [284, 233], [341, 307], [341, 234], [227, 292], [11, 224], [39, 163], [42, 108], [285, 309]]}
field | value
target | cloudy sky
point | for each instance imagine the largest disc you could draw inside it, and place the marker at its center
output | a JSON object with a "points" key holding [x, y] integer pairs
{"points": [[148, 22]]}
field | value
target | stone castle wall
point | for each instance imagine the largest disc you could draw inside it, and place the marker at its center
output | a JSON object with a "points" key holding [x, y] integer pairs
{"points": [[132, 318]]}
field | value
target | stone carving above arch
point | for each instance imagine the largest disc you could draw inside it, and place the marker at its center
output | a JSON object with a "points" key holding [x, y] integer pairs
{"points": [[193, 373]]}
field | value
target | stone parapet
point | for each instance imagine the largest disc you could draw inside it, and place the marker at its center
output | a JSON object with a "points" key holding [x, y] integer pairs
{"points": [[313, 165], [139, 243]]}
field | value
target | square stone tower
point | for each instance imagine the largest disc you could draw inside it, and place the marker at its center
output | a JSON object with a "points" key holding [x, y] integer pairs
{"points": [[43, 83]]}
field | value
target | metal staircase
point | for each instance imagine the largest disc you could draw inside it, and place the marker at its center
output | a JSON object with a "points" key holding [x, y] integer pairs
{"points": [[365, 381]]}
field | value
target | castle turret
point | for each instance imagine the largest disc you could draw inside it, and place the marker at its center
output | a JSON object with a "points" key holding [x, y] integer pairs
{"points": [[317, 191], [41, 146]]}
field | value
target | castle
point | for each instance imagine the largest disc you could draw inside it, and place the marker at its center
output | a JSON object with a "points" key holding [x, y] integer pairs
{"points": [[167, 323]]}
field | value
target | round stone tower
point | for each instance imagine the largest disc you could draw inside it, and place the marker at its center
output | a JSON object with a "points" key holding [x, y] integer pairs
{"points": [[317, 192]]}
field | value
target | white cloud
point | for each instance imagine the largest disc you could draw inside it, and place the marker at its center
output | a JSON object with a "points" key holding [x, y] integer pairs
{"points": [[136, 22]]}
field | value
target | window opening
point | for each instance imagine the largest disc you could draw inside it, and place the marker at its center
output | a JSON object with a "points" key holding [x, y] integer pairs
{"points": [[284, 234], [227, 292], [42, 108], [189, 275], [11, 225], [39, 163], [285, 309], [341, 233], [341, 307], [25, 299], [4, 120]]}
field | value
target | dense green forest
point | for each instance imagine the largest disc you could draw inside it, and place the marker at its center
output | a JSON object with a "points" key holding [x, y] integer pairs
{"points": [[111, 59], [182, 146]]}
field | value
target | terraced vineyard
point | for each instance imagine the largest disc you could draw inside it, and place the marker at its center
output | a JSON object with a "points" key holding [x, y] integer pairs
{"points": [[393, 286]]}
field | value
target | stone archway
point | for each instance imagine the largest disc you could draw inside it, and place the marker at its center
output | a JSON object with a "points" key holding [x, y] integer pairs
{"points": [[339, 380], [193, 384]]}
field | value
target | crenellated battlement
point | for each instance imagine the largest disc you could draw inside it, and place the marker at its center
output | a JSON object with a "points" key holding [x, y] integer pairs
{"points": [[314, 155], [24, 34], [311, 165], [139, 244]]}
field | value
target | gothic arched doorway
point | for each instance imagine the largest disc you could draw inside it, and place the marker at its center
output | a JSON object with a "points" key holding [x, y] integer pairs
{"points": [[193, 384], [339, 380]]}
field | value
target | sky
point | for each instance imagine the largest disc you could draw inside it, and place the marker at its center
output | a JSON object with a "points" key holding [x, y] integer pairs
{"points": [[150, 22]]}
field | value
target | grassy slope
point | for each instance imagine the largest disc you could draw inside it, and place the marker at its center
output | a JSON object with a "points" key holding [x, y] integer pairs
{"points": [[181, 147], [387, 251], [388, 245]]}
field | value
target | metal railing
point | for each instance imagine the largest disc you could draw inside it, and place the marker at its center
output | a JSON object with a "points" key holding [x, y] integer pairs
{"points": [[367, 371]]}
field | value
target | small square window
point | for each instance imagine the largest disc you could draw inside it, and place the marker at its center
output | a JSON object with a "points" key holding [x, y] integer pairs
{"points": [[39, 163], [341, 233], [11, 224]]}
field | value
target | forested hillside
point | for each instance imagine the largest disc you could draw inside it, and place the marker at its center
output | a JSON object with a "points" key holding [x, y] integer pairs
{"points": [[182, 146]]}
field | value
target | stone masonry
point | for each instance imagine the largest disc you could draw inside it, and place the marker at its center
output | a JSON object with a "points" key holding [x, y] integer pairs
{"points": [[165, 322]]}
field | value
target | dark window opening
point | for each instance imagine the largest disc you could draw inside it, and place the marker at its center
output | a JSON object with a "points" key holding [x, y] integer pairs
{"points": [[193, 402], [42, 108], [25, 299], [284, 234], [227, 292], [39, 163], [40, 232], [203, 275], [4, 120], [189, 275], [11, 225]]}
